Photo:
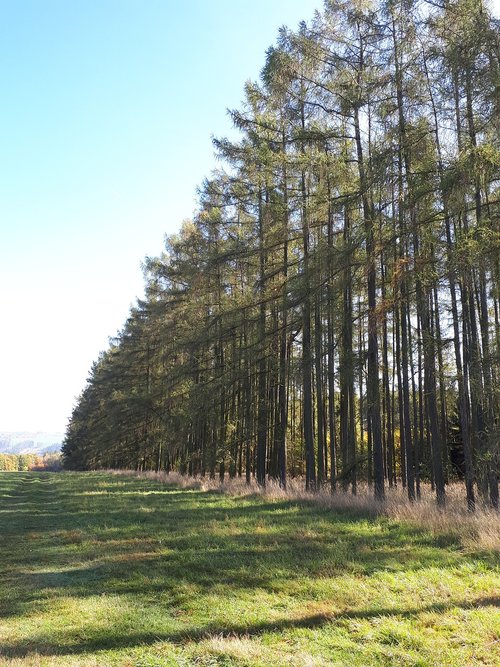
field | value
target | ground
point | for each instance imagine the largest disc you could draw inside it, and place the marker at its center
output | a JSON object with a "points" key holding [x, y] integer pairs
{"points": [[99, 569]]}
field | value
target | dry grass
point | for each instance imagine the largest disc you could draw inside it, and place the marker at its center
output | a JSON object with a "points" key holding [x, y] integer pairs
{"points": [[247, 650], [478, 530]]}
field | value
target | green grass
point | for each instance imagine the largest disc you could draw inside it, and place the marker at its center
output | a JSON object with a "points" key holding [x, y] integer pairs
{"points": [[107, 570]]}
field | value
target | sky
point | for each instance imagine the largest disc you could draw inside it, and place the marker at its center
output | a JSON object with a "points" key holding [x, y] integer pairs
{"points": [[108, 109]]}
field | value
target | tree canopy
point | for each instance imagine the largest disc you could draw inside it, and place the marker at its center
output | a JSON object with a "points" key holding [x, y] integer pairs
{"points": [[332, 309]]}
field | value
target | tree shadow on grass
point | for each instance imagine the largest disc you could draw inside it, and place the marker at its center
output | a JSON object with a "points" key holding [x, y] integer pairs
{"points": [[68, 643], [88, 545], [189, 547]]}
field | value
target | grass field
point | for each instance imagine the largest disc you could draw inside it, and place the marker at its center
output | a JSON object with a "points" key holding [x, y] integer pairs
{"points": [[100, 569]]}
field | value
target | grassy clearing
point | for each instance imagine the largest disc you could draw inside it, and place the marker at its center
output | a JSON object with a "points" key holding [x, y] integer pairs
{"points": [[478, 530], [101, 569]]}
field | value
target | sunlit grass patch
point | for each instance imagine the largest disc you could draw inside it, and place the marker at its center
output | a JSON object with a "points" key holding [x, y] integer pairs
{"points": [[148, 574]]}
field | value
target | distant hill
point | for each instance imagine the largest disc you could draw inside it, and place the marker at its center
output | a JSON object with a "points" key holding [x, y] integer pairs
{"points": [[30, 442]]}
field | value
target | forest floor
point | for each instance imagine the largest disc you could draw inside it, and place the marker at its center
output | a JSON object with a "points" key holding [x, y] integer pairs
{"points": [[100, 569]]}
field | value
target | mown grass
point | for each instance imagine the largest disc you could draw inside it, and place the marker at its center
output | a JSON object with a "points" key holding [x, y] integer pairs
{"points": [[99, 569]]}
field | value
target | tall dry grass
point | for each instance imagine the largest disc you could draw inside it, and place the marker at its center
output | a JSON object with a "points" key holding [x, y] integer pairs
{"points": [[478, 530]]}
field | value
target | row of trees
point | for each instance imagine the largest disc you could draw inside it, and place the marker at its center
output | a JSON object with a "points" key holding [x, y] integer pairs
{"points": [[332, 310], [25, 462]]}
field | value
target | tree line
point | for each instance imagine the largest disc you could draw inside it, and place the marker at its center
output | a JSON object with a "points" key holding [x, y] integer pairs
{"points": [[25, 462], [332, 309]]}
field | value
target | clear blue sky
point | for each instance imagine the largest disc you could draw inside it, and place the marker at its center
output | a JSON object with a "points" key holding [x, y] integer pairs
{"points": [[108, 107]]}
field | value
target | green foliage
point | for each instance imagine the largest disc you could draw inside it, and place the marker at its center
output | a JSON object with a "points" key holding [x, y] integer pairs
{"points": [[341, 268]]}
